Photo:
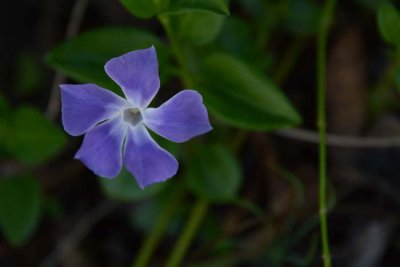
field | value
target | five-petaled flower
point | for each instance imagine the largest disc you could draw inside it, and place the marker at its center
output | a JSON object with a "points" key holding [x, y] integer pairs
{"points": [[115, 128]]}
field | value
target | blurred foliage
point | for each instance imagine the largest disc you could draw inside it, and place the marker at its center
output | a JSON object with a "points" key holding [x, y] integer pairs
{"points": [[124, 188], [389, 23], [242, 97], [83, 61], [20, 208], [147, 213], [388, 20], [302, 17], [238, 55], [40, 143], [29, 73], [29, 136], [149, 8], [214, 173], [199, 28]]}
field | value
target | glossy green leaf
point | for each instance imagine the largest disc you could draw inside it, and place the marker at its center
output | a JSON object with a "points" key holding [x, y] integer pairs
{"points": [[33, 138], [183, 6], [83, 57], [200, 28], [150, 8], [214, 173], [243, 97], [20, 200], [389, 23], [142, 8], [124, 188], [235, 39]]}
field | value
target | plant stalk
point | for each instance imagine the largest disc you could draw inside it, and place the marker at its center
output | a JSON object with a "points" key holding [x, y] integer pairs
{"points": [[321, 124], [191, 227], [151, 242]]}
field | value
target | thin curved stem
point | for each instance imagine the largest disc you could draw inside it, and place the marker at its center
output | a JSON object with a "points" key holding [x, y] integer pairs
{"points": [[343, 141], [191, 227], [187, 80], [151, 242], [80, 230], [321, 123], [77, 14], [201, 206]]}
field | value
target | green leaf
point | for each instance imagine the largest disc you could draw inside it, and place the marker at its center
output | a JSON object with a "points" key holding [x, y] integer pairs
{"points": [[150, 8], [183, 6], [20, 200], [124, 188], [243, 97], [200, 28], [34, 138], [171, 147], [389, 23], [83, 57], [237, 39], [214, 173], [142, 8]]}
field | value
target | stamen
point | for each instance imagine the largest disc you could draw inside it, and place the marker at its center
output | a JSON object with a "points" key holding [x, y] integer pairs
{"points": [[132, 116]]}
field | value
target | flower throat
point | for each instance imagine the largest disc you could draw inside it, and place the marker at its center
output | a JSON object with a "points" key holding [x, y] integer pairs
{"points": [[132, 116]]}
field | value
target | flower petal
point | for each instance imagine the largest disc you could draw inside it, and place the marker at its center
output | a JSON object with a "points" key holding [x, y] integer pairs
{"points": [[145, 159], [101, 150], [85, 105], [180, 118], [137, 74]]}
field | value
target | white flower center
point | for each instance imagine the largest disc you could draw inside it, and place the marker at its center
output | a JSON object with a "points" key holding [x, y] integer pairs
{"points": [[132, 116]]}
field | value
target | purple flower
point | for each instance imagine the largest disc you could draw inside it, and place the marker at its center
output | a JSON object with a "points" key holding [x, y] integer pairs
{"points": [[116, 128]]}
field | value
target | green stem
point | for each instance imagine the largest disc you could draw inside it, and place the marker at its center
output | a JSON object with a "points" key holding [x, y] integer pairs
{"points": [[200, 209], [196, 217], [321, 123], [152, 241], [180, 58]]}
